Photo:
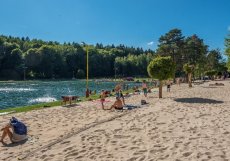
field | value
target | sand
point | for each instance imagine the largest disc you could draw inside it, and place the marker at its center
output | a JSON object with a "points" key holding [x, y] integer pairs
{"points": [[186, 124]]}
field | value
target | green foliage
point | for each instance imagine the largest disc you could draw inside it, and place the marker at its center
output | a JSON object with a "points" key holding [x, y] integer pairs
{"points": [[227, 51], [80, 74], [211, 73], [190, 50], [171, 44], [161, 68], [195, 50], [188, 68], [133, 64], [45, 60]]}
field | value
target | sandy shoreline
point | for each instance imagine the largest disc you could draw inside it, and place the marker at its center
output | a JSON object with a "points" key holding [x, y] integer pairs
{"points": [[172, 128]]}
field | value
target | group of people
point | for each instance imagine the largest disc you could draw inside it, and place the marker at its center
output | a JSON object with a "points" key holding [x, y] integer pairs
{"points": [[17, 130], [120, 100]]}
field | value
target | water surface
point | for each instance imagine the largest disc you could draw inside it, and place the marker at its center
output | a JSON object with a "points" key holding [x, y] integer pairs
{"points": [[21, 93]]}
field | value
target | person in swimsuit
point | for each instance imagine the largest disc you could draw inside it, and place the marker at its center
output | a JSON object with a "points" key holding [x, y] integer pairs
{"points": [[168, 86], [144, 87], [119, 94]]}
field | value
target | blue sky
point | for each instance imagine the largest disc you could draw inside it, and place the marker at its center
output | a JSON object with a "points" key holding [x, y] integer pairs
{"points": [[137, 23]]}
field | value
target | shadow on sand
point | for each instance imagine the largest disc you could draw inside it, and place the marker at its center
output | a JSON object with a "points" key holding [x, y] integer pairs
{"points": [[197, 100], [15, 144], [72, 105], [208, 87]]}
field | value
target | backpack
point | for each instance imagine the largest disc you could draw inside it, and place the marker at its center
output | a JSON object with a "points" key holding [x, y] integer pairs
{"points": [[143, 102], [19, 127]]}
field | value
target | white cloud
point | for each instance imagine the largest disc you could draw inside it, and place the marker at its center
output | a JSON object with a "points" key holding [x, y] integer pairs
{"points": [[150, 43], [228, 28]]}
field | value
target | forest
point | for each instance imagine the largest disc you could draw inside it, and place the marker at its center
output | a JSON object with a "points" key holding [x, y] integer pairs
{"points": [[22, 58]]}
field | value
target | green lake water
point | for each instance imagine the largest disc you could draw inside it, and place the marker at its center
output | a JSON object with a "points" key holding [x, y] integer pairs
{"points": [[22, 93]]}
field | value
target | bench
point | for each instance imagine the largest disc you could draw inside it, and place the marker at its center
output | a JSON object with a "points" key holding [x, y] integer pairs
{"points": [[69, 99]]}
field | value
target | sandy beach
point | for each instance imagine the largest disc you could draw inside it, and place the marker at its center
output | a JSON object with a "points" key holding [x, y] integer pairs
{"points": [[186, 124]]}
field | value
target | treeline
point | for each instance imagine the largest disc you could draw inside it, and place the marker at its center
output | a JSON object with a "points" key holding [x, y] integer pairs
{"points": [[190, 50], [37, 59]]}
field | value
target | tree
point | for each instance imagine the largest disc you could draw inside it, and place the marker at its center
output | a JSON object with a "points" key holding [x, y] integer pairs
{"points": [[195, 50], [172, 44], [189, 70], [213, 60], [227, 50], [211, 73], [80, 74], [47, 63], [161, 68]]}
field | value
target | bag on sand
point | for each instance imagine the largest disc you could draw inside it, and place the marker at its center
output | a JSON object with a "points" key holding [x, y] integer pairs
{"points": [[143, 102], [19, 127]]}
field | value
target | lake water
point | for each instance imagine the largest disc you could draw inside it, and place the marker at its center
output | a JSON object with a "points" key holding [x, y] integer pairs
{"points": [[23, 93]]}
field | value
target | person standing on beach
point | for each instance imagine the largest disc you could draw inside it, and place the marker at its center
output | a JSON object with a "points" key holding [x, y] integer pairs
{"points": [[168, 86], [178, 81], [144, 87], [102, 95]]}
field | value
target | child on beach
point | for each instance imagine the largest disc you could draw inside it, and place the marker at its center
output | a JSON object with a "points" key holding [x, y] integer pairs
{"points": [[144, 87], [168, 86], [102, 95]]}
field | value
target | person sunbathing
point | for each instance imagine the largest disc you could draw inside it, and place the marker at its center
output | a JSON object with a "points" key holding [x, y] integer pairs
{"points": [[119, 94], [117, 104], [15, 130]]}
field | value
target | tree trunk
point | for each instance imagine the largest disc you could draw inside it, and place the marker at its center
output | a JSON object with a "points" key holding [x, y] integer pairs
{"points": [[190, 79], [174, 77], [160, 89]]}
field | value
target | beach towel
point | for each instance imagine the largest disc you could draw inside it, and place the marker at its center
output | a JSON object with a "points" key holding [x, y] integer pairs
{"points": [[130, 107]]}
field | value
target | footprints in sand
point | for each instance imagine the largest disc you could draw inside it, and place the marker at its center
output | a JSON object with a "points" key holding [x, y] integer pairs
{"points": [[172, 132], [65, 142], [187, 154]]}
